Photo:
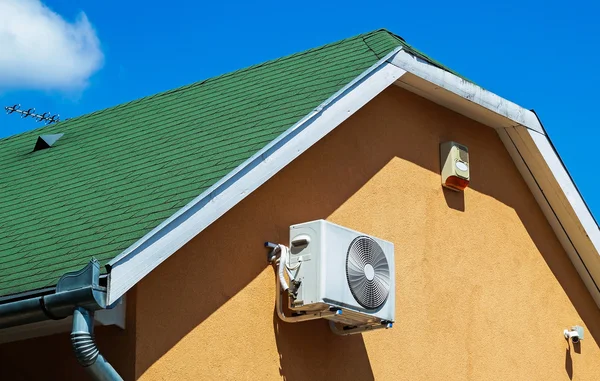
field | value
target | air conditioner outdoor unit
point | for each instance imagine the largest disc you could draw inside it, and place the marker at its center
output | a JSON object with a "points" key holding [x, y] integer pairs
{"points": [[338, 274]]}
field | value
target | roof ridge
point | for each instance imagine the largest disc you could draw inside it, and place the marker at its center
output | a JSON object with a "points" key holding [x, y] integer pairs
{"points": [[242, 70], [384, 37], [419, 53], [203, 81]]}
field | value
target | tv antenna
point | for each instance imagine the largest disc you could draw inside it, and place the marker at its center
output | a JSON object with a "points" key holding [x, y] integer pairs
{"points": [[45, 117]]}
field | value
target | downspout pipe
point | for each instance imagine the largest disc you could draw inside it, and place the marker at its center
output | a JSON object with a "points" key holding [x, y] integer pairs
{"points": [[79, 294], [86, 351]]}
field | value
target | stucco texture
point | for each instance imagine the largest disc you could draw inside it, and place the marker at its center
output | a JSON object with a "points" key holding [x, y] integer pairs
{"points": [[483, 287]]}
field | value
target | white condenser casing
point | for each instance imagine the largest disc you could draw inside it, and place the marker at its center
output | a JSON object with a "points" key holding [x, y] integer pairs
{"points": [[339, 268]]}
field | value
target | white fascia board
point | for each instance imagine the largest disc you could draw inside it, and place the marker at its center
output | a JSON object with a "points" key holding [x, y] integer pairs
{"points": [[568, 188], [151, 250], [519, 155], [441, 87], [562, 196]]}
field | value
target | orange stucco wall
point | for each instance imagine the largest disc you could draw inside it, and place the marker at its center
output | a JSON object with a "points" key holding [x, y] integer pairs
{"points": [[483, 288]]}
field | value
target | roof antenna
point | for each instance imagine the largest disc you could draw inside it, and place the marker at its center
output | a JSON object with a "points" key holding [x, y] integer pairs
{"points": [[45, 117]]}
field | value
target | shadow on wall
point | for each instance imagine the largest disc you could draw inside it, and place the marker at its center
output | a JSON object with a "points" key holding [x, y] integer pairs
{"points": [[214, 266], [227, 256], [309, 351], [52, 358], [454, 200], [569, 363], [49, 358], [569, 359], [493, 173], [563, 270], [547, 244]]}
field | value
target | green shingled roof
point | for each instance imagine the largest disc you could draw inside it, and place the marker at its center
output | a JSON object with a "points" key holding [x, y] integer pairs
{"points": [[119, 172]]}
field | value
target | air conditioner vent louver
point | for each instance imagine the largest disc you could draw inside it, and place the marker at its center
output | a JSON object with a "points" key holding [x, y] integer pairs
{"points": [[368, 272]]}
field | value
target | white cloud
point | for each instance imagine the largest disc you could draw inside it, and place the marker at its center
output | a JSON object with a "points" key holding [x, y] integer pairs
{"points": [[41, 50]]}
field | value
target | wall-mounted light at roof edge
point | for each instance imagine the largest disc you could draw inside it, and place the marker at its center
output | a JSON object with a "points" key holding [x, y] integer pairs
{"points": [[454, 161], [46, 141]]}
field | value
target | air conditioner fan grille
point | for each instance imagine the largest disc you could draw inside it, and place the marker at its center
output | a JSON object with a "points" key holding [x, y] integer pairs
{"points": [[368, 272]]}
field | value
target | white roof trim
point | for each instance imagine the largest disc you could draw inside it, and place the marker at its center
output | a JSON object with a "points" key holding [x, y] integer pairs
{"points": [[146, 254], [531, 150], [536, 159], [559, 200], [441, 87]]}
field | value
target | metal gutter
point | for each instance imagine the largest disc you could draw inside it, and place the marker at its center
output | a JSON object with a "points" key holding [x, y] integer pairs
{"points": [[27, 294], [39, 292], [79, 294], [80, 288]]}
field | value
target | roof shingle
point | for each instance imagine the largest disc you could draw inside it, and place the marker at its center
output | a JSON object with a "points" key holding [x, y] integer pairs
{"points": [[117, 173]]}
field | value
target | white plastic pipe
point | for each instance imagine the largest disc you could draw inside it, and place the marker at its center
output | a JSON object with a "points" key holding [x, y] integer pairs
{"points": [[283, 256], [282, 286], [295, 319]]}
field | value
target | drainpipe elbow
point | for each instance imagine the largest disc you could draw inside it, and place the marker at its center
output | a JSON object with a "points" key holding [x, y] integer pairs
{"points": [[86, 351]]}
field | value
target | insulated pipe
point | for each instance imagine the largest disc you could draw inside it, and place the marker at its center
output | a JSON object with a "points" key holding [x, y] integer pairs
{"points": [[295, 319], [283, 257], [86, 351], [280, 264]]}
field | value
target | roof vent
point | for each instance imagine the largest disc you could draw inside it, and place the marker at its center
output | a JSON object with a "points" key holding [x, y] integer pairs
{"points": [[46, 141]]}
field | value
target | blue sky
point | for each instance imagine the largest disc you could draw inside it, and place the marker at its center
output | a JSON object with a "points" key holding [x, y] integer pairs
{"points": [[539, 54]]}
